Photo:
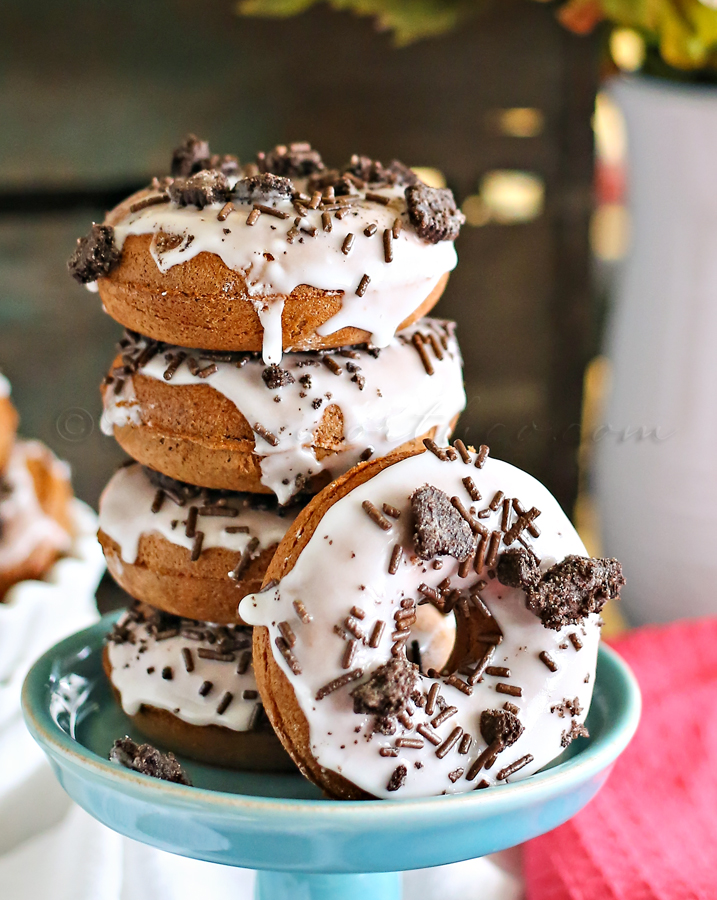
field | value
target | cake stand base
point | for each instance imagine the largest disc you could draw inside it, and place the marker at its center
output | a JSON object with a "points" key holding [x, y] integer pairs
{"points": [[305, 846]]}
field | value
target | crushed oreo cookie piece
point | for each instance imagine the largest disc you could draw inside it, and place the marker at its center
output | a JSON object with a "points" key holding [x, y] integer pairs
{"points": [[518, 568], [439, 529], [398, 779], [148, 760], [95, 256], [499, 724], [576, 730], [388, 690], [225, 163], [374, 172], [298, 160], [433, 213], [201, 189], [262, 188], [568, 707], [569, 591], [191, 156], [275, 377]]}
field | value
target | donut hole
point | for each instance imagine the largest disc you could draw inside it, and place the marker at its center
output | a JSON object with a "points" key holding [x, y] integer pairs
{"points": [[433, 637]]}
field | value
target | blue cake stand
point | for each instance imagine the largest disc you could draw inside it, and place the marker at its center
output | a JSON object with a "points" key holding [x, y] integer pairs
{"points": [[305, 847]]}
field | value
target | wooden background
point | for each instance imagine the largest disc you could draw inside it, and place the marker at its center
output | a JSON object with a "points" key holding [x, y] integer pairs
{"points": [[94, 95]]}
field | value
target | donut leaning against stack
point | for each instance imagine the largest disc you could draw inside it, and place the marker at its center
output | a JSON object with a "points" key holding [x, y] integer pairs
{"points": [[36, 522], [215, 272]]}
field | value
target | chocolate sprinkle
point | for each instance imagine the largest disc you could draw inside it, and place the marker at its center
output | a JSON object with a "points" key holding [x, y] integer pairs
{"points": [[339, 683], [515, 767]]}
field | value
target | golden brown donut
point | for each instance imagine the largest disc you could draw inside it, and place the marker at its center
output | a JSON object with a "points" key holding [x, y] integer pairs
{"points": [[154, 562], [334, 624], [35, 519], [251, 746], [194, 416], [203, 303]]}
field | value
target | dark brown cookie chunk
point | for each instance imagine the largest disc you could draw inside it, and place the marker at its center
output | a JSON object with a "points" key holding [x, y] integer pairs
{"points": [[148, 760], [569, 591], [433, 213], [398, 779], [439, 529], [388, 690], [576, 730], [500, 725], [96, 255], [567, 708], [263, 189], [517, 568], [191, 156], [298, 160], [275, 377], [372, 171], [201, 189]]}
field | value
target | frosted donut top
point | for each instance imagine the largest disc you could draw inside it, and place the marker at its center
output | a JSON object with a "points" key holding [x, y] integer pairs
{"points": [[386, 397], [24, 525], [132, 504], [383, 240], [201, 673], [4, 386], [343, 580]]}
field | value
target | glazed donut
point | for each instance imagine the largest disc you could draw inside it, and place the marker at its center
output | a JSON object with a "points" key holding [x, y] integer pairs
{"points": [[35, 518], [228, 421], [189, 686], [185, 550], [8, 422], [294, 257], [457, 529]]}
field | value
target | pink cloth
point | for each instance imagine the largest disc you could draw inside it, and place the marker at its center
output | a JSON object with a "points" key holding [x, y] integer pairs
{"points": [[652, 830]]}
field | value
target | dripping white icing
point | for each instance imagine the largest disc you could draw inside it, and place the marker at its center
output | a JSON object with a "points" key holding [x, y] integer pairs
{"points": [[180, 694], [399, 402], [273, 266], [126, 514], [345, 563], [25, 525]]}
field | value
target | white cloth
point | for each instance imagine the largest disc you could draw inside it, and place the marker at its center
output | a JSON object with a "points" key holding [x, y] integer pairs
{"points": [[50, 849]]}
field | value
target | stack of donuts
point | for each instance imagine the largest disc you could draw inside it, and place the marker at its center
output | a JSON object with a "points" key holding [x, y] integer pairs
{"points": [[36, 522], [276, 338]]}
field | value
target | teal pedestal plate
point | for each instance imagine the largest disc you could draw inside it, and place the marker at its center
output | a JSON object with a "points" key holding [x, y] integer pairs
{"points": [[304, 846]]}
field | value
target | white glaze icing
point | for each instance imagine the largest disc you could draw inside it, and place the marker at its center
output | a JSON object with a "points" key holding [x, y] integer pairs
{"points": [[180, 695], [345, 563], [25, 526], [4, 386], [399, 402], [126, 514], [273, 266]]}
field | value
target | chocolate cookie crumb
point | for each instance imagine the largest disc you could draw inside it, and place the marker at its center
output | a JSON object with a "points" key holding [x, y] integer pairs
{"points": [[398, 779], [576, 730], [201, 189], [374, 172], [191, 156], [275, 377], [295, 161], [568, 592], [148, 760], [265, 187], [227, 164], [500, 725], [433, 213], [95, 255], [388, 690], [567, 708], [439, 529]]}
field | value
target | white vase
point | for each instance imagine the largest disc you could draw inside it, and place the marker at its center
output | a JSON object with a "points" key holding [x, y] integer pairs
{"points": [[656, 455]]}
